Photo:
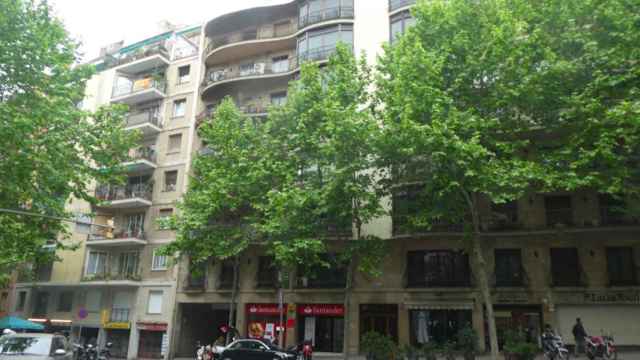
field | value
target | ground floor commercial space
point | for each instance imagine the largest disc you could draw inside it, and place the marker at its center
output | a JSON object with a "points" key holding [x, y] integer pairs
{"points": [[416, 317]]}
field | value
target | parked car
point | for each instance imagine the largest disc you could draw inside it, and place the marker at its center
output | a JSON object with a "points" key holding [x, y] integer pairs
{"points": [[253, 349], [35, 346]]}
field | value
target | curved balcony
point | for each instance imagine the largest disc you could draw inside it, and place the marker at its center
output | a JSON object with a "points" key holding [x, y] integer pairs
{"points": [[324, 15], [400, 5], [260, 71]]}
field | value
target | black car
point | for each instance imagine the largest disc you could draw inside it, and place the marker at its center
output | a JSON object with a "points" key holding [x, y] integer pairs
{"points": [[253, 349]]}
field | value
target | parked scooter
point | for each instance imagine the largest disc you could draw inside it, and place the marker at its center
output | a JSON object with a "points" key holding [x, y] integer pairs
{"points": [[304, 350], [601, 347], [554, 347]]}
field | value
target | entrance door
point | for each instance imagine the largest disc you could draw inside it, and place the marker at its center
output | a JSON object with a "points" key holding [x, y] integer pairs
{"points": [[120, 341], [329, 334], [150, 345]]}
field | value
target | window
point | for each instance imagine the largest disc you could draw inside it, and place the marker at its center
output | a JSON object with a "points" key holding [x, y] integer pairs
{"points": [[436, 326], [93, 300], [97, 263], [163, 214], [128, 264], [197, 275], [314, 11], [65, 301], [504, 216], [445, 268], [22, 299], [183, 74], [282, 28], [407, 206], [508, 269], [226, 275], [154, 305], [267, 274], [621, 266], [558, 210], [400, 23], [612, 210], [565, 267], [175, 142], [41, 303], [381, 318], [322, 277], [170, 180], [179, 107], [159, 262], [280, 64], [279, 98], [135, 226], [320, 44]]}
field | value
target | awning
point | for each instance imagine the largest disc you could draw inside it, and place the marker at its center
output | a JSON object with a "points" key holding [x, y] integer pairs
{"points": [[440, 305]]}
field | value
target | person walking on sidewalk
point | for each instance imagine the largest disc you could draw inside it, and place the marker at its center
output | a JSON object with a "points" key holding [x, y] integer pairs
{"points": [[579, 334]]}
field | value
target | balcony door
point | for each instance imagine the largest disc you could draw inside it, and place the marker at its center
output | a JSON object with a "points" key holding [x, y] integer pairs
{"points": [[134, 225], [128, 264]]}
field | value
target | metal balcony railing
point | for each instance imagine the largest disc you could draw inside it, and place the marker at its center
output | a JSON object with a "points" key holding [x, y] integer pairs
{"points": [[396, 4], [119, 315], [140, 54], [247, 36], [144, 117], [143, 153], [318, 54], [112, 192], [332, 13], [102, 233], [139, 85], [107, 276], [259, 68]]}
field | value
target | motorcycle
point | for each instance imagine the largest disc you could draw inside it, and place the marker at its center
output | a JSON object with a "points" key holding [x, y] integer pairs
{"points": [[554, 348], [600, 347], [303, 351]]}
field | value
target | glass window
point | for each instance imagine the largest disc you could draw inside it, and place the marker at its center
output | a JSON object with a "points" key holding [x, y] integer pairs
{"points": [[170, 180], [175, 142], [565, 267], [179, 107], [183, 74], [159, 262], [267, 274], [280, 64], [135, 225], [445, 268], [437, 326], [558, 210], [226, 275], [621, 266], [128, 263], [97, 263], [154, 305], [400, 23], [279, 99], [508, 267], [65, 301]]}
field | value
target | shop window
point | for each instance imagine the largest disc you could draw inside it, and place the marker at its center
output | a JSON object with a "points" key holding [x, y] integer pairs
{"points": [[22, 299], [159, 262], [380, 318], [558, 210], [332, 276], [175, 143], [267, 272], [65, 301], [225, 281], [612, 210], [565, 267], [170, 180], [179, 107], [183, 74], [437, 326], [154, 305], [508, 267], [621, 266], [444, 268]]}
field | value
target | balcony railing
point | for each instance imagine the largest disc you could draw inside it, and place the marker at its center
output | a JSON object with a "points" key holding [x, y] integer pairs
{"points": [[144, 117], [339, 12], [140, 54], [112, 193], [119, 315], [247, 36], [258, 69], [143, 153], [103, 233], [115, 276], [139, 85], [397, 4], [319, 54]]}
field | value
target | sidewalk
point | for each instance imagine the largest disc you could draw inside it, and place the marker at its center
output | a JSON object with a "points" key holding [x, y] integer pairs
{"points": [[622, 356]]}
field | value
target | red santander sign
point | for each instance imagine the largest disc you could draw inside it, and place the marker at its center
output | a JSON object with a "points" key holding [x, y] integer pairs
{"points": [[321, 310], [264, 309]]}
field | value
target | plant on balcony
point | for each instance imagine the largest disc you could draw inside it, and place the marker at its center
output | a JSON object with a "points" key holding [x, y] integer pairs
{"points": [[51, 146], [470, 118]]}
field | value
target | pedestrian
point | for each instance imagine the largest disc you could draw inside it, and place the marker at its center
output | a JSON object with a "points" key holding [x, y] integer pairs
{"points": [[579, 335]]}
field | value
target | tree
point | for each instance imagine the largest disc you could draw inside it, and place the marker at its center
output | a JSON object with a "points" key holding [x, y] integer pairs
{"points": [[220, 212], [322, 146], [50, 149], [488, 100]]}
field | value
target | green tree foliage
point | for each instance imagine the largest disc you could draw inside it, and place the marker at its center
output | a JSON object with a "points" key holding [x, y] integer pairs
{"points": [[50, 149], [487, 100]]}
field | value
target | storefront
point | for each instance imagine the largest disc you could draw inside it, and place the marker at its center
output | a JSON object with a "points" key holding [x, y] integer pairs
{"points": [[437, 323], [523, 318], [380, 318], [323, 325], [153, 341], [263, 321]]}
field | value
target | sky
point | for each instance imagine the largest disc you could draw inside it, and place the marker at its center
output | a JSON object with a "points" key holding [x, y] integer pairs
{"points": [[97, 23]]}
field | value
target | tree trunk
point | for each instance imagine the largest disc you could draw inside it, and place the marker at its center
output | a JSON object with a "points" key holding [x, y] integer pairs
{"points": [[347, 307], [234, 294], [481, 272]]}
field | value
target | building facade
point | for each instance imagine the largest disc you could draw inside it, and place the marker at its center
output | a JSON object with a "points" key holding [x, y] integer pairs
{"points": [[114, 287]]}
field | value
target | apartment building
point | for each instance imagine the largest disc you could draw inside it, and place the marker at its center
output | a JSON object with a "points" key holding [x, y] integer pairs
{"points": [[553, 257], [114, 287]]}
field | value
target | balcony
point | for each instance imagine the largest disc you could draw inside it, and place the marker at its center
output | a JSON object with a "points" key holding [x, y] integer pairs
{"points": [[125, 197], [398, 4], [148, 122], [138, 91], [122, 236], [261, 70], [115, 278], [328, 14], [143, 59], [319, 54], [143, 159]]}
